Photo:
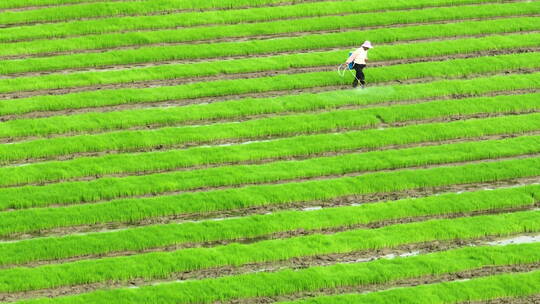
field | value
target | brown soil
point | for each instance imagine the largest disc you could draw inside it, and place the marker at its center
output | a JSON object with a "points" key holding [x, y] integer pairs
{"points": [[534, 299], [340, 201]]}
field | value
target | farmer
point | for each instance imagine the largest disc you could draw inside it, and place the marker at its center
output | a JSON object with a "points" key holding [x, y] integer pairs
{"points": [[360, 57]]}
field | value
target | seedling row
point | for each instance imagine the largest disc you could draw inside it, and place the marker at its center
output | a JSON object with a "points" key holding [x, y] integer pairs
{"points": [[237, 173], [164, 264], [253, 226], [410, 51], [253, 47], [197, 203], [320, 23], [104, 189], [282, 148], [221, 88]]}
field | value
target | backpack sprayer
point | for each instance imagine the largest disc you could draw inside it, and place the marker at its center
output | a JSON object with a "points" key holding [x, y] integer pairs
{"points": [[342, 68]]}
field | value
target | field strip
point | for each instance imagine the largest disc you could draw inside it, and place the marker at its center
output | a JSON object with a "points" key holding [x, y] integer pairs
{"points": [[261, 39], [175, 103], [273, 127], [270, 205], [68, 176], [236, 109], [173, 183], [265, 150], [414, 72], [125, 268], [390, 18], [514, 287], [323, 259], [178, 35], [174, 236], [151, 118], [330, 261], [252, 39], [166, 119], [167, 53], [172, 20], [82, 144], [267, 71], [175, 20], [409, 249], [21, 7], [105, 9], [34, 4], [35, 128], [488, 272], [133, 210], [417, 108], [169, 74], [174, 74], [520, 300], [510, 300], [339, 291]]}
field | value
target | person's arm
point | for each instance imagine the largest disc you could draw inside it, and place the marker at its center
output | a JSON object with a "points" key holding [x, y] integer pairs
{"points": [[351, 58]]}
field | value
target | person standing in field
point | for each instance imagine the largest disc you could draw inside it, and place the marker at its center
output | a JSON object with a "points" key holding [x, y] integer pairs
{"points": [[359, 59]]}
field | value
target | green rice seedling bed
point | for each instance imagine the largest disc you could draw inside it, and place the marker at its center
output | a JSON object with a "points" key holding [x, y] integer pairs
{"points": [[512, 285], [289, 281], [140, 146], [253, 47], [109, 188], [134, 210], [341, 275], [104, 41], [146, 237], [163, 264], [281, 148], [103, 121], [271, 63], [288, 125], [105, 9], [38, 3], [172, 20], [448, 69]]}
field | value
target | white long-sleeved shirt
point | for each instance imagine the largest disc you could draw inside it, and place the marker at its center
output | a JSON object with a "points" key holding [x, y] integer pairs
{"points": [[359, 56]]}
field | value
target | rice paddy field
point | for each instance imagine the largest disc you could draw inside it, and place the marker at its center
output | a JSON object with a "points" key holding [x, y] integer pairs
{"points": [[186, 151]]}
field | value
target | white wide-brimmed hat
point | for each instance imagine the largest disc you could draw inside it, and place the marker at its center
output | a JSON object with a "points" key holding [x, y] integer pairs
{"points": [[367, 44]]}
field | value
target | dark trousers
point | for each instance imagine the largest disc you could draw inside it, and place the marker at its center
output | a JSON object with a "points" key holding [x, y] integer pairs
{"points": [[359, 75]]}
